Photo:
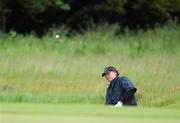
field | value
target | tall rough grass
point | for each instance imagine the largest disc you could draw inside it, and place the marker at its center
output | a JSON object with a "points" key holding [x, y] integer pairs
{"points": [[68, 69]]}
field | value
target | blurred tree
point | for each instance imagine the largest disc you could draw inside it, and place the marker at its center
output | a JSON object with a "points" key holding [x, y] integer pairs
{"points": [[22, 15], [39, 6], [25, 16], [142, 13], [3, 12], [84, 11]]}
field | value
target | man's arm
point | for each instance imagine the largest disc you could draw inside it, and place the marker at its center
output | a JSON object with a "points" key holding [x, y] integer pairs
{"points": [[128, 95], [129, 89]]}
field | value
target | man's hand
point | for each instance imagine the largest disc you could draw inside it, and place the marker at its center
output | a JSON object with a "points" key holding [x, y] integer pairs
{"points": [[119, 104]]}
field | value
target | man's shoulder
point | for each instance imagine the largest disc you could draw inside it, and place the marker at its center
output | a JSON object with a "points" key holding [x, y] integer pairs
{"points": [[123, 78], [120, 79]]}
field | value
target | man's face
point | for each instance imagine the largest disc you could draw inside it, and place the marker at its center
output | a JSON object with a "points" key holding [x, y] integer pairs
{"points": [[111, 75]]}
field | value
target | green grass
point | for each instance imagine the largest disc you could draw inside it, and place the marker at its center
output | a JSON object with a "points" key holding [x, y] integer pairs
{"points": [[80, 113], [68, 70]]}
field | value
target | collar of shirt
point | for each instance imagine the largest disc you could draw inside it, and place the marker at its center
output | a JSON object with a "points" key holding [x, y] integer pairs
{"points": [[113, 81]]}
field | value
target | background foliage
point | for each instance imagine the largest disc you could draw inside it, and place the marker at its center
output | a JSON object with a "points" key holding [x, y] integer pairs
{"points": [[25, 16]]}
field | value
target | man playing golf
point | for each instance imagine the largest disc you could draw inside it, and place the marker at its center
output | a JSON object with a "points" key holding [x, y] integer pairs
{"points": [[120, 90]]}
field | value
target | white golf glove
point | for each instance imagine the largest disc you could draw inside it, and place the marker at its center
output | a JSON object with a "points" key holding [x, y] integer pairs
{"points": [[119, 104]]}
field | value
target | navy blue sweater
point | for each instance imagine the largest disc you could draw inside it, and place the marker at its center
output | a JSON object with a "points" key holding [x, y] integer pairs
{"points": [[121, 89]]}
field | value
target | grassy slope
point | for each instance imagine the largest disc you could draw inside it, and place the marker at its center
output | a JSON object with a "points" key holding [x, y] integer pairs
{"points": [[78, 80], [67, 70], [64, 113]]}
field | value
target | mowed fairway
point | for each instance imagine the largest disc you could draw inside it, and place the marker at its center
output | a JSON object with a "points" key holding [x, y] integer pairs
{"points": [[77, 113]]}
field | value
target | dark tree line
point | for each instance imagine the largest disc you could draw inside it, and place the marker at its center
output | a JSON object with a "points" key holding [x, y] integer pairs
{"points": [[25, 16]]}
